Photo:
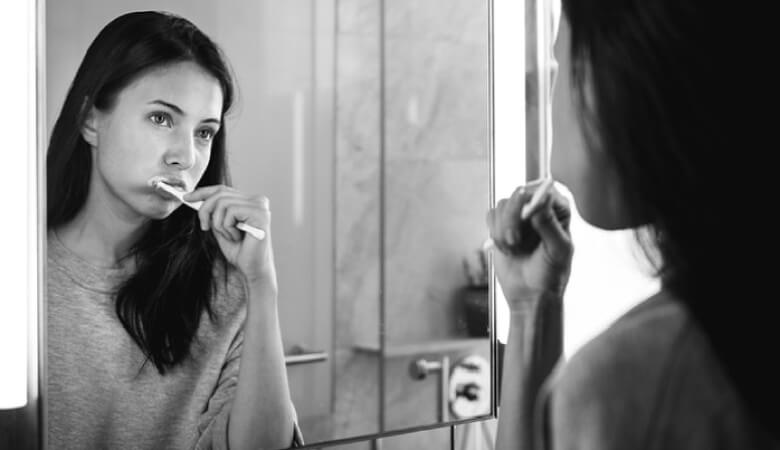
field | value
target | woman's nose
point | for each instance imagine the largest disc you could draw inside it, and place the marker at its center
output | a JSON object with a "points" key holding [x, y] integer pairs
{"points": [[181, 152]]}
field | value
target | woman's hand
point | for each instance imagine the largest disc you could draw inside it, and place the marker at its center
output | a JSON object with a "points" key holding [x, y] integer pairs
{"points": [[528, 273], [222, 209]]}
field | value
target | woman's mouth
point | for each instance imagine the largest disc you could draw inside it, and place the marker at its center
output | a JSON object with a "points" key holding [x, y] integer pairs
{"points": [[179, 185]]}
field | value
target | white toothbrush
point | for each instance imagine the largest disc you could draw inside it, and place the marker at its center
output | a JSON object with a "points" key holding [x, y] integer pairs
{"points": [[255, 232], [536, 199]]}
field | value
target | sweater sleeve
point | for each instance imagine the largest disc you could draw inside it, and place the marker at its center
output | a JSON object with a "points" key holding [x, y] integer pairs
{"points": [[213, 423]]}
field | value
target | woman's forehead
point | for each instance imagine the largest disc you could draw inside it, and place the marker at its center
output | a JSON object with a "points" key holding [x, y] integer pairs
{"points": [[185, 85]]}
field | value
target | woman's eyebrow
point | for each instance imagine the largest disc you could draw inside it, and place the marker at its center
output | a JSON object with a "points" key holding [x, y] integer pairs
{"points": [[175, 108], [180, 112]]}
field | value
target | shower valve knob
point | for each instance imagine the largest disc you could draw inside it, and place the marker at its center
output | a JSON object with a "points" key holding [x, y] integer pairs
{"points": [[469, 391], [421, 368]]}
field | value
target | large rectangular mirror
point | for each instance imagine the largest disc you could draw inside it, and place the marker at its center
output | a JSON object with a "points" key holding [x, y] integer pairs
{"points": [[367, 125]]}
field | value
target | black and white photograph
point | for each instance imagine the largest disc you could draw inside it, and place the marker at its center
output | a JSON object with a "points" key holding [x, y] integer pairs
{"points": [[384, 225]]}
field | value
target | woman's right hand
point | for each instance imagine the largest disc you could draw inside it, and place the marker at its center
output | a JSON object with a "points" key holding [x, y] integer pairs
{"points": [[527, 275], [222, 210]]}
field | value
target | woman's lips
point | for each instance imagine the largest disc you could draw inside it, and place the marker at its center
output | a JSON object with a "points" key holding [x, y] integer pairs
{"points": [[179, 185]]}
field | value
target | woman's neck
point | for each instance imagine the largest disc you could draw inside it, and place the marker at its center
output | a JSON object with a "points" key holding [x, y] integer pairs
{"points": [[100, 235]]}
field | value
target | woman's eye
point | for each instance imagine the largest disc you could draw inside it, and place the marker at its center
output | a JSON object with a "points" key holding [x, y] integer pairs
{"points": [[160, 119], [206, 134]]}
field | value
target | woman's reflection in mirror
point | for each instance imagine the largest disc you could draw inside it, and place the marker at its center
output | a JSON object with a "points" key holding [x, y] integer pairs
{"points": [[162, 320], [654, 129]]}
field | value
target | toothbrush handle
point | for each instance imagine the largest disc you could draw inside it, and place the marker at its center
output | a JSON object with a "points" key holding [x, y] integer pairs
{"points": [[255, 232]]}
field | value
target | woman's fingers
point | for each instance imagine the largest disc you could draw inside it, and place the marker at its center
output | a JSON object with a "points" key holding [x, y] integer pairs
{"points": [[551, 221], [209, 195], [221, 218], [496, 224], [504, 220], [224, 207], [203, 193], [549, 215], [255, 212]]}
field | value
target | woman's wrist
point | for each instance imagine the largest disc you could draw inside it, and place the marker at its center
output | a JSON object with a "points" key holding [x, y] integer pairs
{"points": [[262, 291], [255, 276], [531, 305]]}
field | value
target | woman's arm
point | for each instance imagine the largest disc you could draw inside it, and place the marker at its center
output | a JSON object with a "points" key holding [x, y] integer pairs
{"points": [[262, 414], [533, 348], [532, 265]]}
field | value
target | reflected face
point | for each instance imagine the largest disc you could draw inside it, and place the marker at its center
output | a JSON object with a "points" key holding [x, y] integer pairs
{"points": [[161, 125], [585, 170]]}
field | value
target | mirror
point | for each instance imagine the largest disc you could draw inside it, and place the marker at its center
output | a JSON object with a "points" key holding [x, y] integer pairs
{"points": [[367, 125]]}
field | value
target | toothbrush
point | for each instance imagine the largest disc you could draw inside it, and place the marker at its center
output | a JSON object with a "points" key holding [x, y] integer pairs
{"points": [[528, 208], [536, 199], [159, 184]]}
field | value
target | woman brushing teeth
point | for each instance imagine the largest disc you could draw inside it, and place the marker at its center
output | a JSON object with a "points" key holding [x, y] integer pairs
{"points": [[166, 301]]}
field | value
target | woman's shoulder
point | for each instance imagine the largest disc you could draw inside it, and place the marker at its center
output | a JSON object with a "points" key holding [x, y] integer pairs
{"points": [[634, 345], [652, 374]]}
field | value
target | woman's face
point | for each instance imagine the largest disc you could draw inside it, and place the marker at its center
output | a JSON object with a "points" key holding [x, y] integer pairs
{"points": [[586, 171], [161, 125]]}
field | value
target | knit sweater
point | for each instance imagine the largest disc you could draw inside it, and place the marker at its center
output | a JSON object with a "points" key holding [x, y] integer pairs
{"points": [[651, 381], [102, 393]]}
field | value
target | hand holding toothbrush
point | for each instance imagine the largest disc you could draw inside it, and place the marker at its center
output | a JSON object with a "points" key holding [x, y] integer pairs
{"points": [[530, 230], [225, 211]]}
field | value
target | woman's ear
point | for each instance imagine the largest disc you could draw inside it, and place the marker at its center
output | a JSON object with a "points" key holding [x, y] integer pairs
{"points": [[89, 127]]}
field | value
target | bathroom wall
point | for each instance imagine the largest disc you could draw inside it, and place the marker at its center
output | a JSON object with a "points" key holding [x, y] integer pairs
{"points": [[436, 189], [437, 160], [357, 136], [431, 134], [436, 163]]}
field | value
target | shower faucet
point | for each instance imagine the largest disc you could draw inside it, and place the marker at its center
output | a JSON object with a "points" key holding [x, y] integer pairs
{"points": [[420, 369]]}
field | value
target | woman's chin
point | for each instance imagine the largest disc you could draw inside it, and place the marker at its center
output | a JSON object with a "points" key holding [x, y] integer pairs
{"points": [[609, 219], [161, 210]]}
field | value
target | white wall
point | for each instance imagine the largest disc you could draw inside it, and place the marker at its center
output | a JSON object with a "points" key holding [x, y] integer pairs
{"points": [[608, 277]]}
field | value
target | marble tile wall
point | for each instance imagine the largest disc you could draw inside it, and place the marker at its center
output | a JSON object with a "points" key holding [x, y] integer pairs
{"points": [[436, 152], [357, 173], [356, 311], [436, 191]]}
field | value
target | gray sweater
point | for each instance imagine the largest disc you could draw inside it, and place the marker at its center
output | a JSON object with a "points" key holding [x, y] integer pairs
{"points": [[649, 382], [100, 392]]}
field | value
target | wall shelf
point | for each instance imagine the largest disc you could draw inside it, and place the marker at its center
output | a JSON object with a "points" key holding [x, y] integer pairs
{"points": [[426, 347]]}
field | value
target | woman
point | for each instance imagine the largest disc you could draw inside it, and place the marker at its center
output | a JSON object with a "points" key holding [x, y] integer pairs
{"points": [[152, 305], [650, 127]]}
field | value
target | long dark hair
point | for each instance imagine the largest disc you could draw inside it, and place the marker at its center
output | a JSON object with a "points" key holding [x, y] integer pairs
{"points": [[161, 304], [666, 99]]}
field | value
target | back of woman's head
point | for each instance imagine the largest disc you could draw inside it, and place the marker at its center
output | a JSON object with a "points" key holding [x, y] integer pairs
{"points": [[161, 304], [666, 101], [129, 46]]}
